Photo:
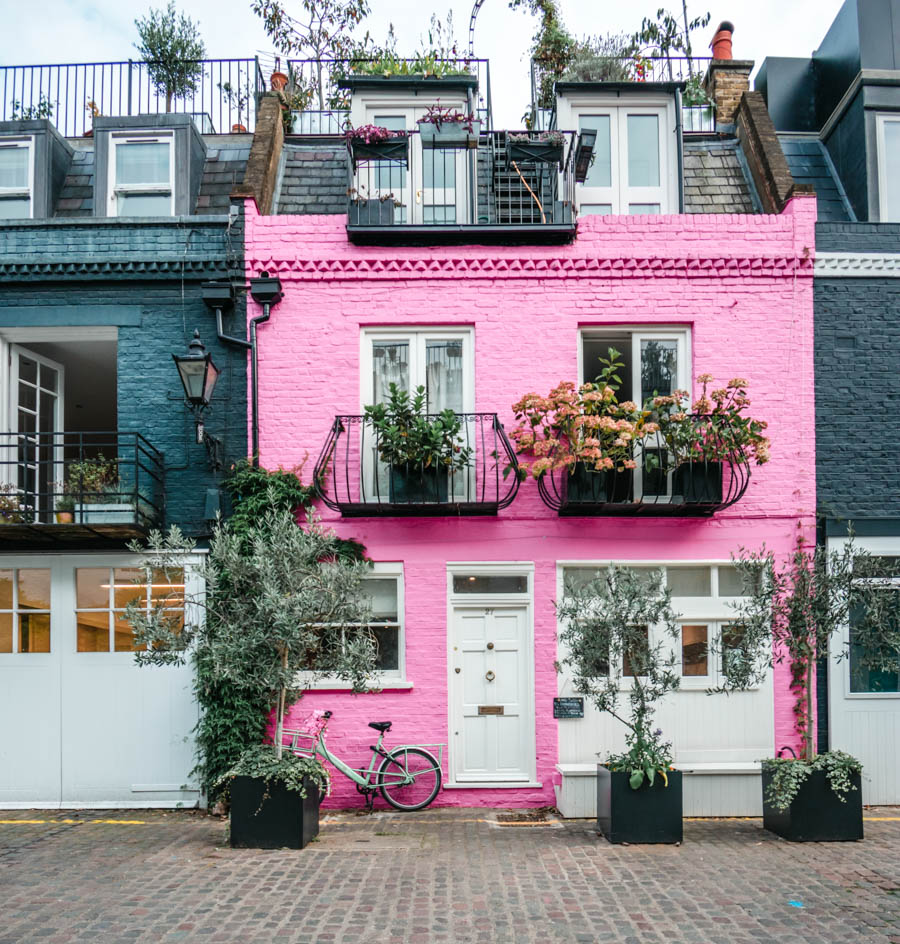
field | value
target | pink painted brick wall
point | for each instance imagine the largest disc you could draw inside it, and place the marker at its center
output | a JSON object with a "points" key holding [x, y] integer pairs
{"points": [[742, 283]]}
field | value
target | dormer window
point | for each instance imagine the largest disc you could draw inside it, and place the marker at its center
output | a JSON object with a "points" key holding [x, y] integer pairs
{"points": [[16, 178], [142, 170], [888, 130]]}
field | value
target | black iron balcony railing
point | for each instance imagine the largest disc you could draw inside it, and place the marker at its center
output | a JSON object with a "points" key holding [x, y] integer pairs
{"points": [[60, 485], [225, 95], [352, 479], [510, 181], [663, 483]]}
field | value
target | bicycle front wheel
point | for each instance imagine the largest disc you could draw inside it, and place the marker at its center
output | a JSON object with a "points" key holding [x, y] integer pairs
{"points": [[410, 778]]}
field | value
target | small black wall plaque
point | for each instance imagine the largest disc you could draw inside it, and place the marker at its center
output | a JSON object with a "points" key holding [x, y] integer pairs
{"points": [[568, 707]]}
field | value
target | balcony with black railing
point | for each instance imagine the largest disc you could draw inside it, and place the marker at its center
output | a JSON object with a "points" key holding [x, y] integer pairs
{"points": [[665, 481], [352, 478], [62, 488], [494, 186]]}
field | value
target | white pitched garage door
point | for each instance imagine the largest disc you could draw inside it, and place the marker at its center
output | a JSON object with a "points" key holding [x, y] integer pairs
{"points": [[80, 723]]}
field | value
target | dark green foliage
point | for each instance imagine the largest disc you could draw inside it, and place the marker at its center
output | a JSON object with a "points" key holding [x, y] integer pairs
{"points": [[261, 761], [254, 490], [789, 774]]}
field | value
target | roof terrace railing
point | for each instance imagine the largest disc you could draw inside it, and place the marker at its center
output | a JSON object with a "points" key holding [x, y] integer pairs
{"points": [[225, 95]]}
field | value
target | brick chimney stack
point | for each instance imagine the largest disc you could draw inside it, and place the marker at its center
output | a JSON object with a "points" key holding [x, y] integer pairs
{"points": [[726, 79]]}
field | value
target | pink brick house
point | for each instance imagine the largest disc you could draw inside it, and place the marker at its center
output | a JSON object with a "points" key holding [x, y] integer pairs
{"points": [[480, 311]]}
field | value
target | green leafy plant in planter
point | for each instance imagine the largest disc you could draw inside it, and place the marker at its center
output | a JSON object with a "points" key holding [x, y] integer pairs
{"points": [[794, 612], [605, 639], [279, 600], [11, 509], [423, 451]]}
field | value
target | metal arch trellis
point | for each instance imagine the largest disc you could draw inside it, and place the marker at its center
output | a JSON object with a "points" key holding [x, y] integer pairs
{"points": [[475, 10]]}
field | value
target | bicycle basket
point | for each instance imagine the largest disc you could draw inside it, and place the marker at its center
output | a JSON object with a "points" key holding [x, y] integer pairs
{"points": [[302, 743]]}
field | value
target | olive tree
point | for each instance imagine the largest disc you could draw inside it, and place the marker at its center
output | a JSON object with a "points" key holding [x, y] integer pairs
{"points": [[281, 606], [171, 45]]}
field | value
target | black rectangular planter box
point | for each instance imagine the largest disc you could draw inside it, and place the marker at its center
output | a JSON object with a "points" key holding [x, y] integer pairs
{"points": [[371, 212], [450, 135], [816, 813], [646, 815], [391, 149], [586, 486], [412, 485], [276, 818], [539, 152], [698, 482]]}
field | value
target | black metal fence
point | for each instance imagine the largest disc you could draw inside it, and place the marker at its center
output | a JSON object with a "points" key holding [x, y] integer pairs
{"points": [[352, 479], [83, 478], [510, 179], [224, 96]]}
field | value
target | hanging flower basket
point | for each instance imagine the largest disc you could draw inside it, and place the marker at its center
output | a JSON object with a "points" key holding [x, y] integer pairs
{"points": [[546, 148], [374, 143]]}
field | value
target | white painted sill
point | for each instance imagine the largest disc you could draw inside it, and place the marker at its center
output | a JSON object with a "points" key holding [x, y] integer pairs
{"points": [[502, 785], [387, 685]]}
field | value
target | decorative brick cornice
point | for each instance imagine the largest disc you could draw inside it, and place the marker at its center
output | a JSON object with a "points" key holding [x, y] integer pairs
{"points": [[487, 267], [110, 268], [859, 265]]}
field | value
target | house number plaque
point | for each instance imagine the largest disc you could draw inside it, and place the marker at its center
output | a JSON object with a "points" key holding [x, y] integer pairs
{"points": [[568, 707], [490, 709]]}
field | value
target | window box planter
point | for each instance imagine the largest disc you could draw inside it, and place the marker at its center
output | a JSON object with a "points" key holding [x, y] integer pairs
{"points": [[371, 212], [104, 513], [542, 152], [269, 816], [450, 135], [586, 486], [646, 815], [411, 485], [816, 813], [698, 483], [391, 149]]}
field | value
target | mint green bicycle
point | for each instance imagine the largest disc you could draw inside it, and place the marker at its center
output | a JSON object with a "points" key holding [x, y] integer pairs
{"points": [[409, 777]]}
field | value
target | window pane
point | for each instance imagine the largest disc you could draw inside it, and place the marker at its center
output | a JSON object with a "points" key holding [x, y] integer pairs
{"points": [[129, 585], [34, 590], [439, 214], [6, 632], [732, 645], [864, 677], [634, 660], [730, 582], [475, 583], [15, 208], [34, 632], [167, 587], [439, 169], [600, 172], [6, 588], [390, 176], [144, 204], [92, 588], [689, 581], [578, 577], [142, 163], [93, 632], [383, 594], [49, 377], [597, 347], [694, 650], [643, 151], [14, 167], [388, 639], [659, 368], [390, 364], [595, 209], [123, 635], [444, 376], [643, 209], [892, 170]]}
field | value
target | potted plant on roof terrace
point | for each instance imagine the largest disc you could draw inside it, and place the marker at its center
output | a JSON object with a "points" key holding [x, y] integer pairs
{"points": [[543, 147], [796, 612], [96, 488], [423, 452], [375, 143], [447, 128]]}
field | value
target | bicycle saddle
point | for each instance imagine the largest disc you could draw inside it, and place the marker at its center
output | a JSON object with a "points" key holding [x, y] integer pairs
{"points": [[381, 725]]}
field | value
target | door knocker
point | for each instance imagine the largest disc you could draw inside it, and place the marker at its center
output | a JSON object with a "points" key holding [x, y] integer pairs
{"points": [[489, 676]]}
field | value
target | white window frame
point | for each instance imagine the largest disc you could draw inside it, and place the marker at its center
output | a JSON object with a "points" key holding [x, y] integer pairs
{"points": [[26, 143], [638, 334], [714, 611], [880, 121], [620, 195], [116, 139], [391, 679]]}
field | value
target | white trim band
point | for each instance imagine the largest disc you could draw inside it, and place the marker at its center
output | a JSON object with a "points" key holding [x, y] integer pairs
{"points": [[860, 265]]}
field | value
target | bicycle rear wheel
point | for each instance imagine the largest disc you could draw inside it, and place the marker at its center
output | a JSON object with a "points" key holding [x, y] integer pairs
{"points": [[421, 767]]}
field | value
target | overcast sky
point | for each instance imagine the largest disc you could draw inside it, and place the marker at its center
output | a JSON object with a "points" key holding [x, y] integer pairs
{"points": [[64, 31]]}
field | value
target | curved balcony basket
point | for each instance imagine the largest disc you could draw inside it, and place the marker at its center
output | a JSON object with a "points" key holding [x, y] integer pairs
{"points": [[351, 478], [391, 149], [669, 486]]}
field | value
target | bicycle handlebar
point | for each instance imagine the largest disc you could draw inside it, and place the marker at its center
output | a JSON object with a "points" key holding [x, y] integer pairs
{"points": [[326, 715]]}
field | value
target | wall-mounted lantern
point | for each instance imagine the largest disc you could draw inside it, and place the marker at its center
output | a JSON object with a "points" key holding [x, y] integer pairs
{"points": [[198, 376]]}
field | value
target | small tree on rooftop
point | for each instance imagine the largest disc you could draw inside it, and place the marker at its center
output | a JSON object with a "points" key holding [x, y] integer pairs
{"points": [[171, 45], [666, 34]]}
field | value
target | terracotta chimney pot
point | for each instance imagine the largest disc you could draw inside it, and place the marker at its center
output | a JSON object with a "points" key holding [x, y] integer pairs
{"points": [[721, 42]]}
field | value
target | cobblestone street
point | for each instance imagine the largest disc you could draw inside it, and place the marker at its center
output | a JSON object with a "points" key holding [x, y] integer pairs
{"points": [[446, 875]]}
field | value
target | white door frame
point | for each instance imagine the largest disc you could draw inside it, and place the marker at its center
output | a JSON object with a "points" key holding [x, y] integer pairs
{"points": [[523, 600]]}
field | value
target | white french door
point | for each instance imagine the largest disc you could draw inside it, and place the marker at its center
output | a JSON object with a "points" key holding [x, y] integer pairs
{"points": [[491, 694]]}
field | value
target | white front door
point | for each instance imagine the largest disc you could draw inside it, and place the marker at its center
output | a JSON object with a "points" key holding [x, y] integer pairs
{"points": [[491, 694]]}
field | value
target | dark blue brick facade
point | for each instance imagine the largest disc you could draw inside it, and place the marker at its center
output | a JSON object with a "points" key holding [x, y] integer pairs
{"points": [[54, 270]]}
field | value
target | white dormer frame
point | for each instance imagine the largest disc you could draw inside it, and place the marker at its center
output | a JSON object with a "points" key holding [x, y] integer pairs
{"points": [[27, 144], [572, 105], [886, 181], [114, 189]]}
